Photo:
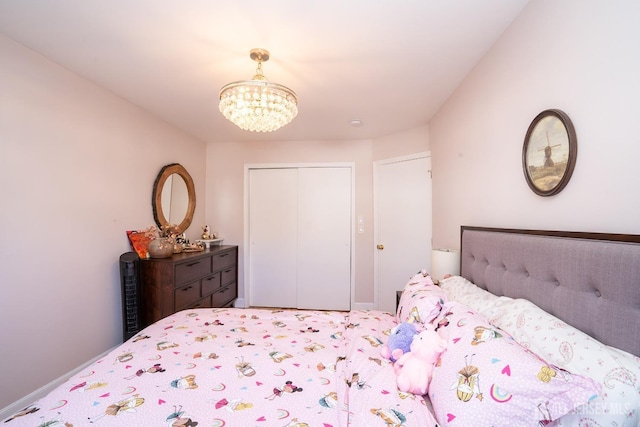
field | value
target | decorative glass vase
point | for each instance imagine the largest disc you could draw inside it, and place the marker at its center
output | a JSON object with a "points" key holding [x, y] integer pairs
{"points": [[160, 248]]}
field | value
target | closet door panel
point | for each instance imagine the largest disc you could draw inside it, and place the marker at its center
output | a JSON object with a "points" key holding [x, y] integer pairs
{"points": [[273, 218], [324, 238]]}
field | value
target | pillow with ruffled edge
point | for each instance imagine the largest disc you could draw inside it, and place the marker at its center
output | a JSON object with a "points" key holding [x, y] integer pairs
{"points": [[485, 378], [468, 293], [569, 348], [420, 302], [618, 372]]}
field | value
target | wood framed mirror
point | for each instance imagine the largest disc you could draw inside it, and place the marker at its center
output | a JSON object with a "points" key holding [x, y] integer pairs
{"points": [[174, 197]]}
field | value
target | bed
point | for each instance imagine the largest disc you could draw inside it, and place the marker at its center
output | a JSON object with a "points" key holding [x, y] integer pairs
{"points": [[541, 329]]}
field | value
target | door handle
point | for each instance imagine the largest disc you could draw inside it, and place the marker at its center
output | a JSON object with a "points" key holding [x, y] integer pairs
{"points": [[380, 247]]}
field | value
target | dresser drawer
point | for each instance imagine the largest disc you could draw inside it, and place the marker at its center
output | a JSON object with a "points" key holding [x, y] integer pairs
{"points": [[187, 295], [211, 284], [202, 303], [223, 260], [192, 270], [228, 275], [224, 295]]}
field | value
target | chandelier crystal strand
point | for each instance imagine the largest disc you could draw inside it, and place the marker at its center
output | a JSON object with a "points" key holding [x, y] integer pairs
{"points": [[258, 105]]}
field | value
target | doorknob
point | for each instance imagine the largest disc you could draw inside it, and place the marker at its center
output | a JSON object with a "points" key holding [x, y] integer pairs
{"points": [[381, 247]]}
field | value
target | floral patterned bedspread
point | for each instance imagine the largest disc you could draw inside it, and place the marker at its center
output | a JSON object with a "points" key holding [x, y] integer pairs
{"points": [[240, 367]]}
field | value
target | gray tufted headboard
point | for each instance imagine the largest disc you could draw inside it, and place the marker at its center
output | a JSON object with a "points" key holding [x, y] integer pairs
{"points": [[589, 280]]}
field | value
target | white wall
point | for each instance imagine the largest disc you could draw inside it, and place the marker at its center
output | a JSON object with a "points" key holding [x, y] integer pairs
{"points": [[77, 166], [411, 141], [579, 56]]}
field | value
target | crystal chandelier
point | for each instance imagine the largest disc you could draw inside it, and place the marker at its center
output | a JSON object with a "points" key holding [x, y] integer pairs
{"points": [[258, 105]]}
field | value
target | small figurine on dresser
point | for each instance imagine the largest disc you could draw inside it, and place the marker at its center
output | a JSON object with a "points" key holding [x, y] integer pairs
{"points": [[208, 237], [206, 233]]}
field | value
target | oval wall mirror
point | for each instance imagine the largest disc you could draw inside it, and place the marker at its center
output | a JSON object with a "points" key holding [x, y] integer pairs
{"points": [[174, 197]]}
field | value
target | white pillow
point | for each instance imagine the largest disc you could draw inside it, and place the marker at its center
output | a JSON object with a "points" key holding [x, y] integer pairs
{"points": [[569, 348], [465, 292]]}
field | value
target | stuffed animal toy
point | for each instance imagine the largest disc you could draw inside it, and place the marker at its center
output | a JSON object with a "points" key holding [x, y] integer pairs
{"points": [[414, 369], [399, 341]]}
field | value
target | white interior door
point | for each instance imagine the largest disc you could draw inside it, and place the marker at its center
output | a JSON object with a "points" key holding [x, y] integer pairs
{"points": [[402, 225], [324, 238], [273, 218]]}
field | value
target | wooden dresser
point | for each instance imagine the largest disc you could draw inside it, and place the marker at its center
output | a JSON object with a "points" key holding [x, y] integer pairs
{"points": [[188, 280]]}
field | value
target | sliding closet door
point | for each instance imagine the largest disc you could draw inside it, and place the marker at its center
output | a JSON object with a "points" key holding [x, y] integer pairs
{"points": [[324, 238], [273, 218], [300, 237]]}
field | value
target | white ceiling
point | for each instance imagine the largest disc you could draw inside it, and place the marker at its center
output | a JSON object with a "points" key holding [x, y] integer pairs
{"points": [[388, 63]]}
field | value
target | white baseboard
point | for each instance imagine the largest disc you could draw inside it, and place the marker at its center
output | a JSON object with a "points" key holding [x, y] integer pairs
{"points": [[29, 399], [240, 303], [362, 306]]}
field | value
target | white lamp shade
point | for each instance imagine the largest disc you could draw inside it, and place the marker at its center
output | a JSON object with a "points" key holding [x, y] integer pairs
{"points": [[444, 261]]}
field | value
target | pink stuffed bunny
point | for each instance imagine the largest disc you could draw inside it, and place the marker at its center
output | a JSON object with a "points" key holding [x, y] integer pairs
{"points": [[414, 369]]}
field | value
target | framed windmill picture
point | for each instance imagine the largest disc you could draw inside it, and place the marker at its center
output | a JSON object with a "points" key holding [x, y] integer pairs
{"points": [[549, 152]]}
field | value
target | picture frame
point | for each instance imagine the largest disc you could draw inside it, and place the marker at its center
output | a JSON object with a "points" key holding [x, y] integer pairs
{"points": [[549, 152]]}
